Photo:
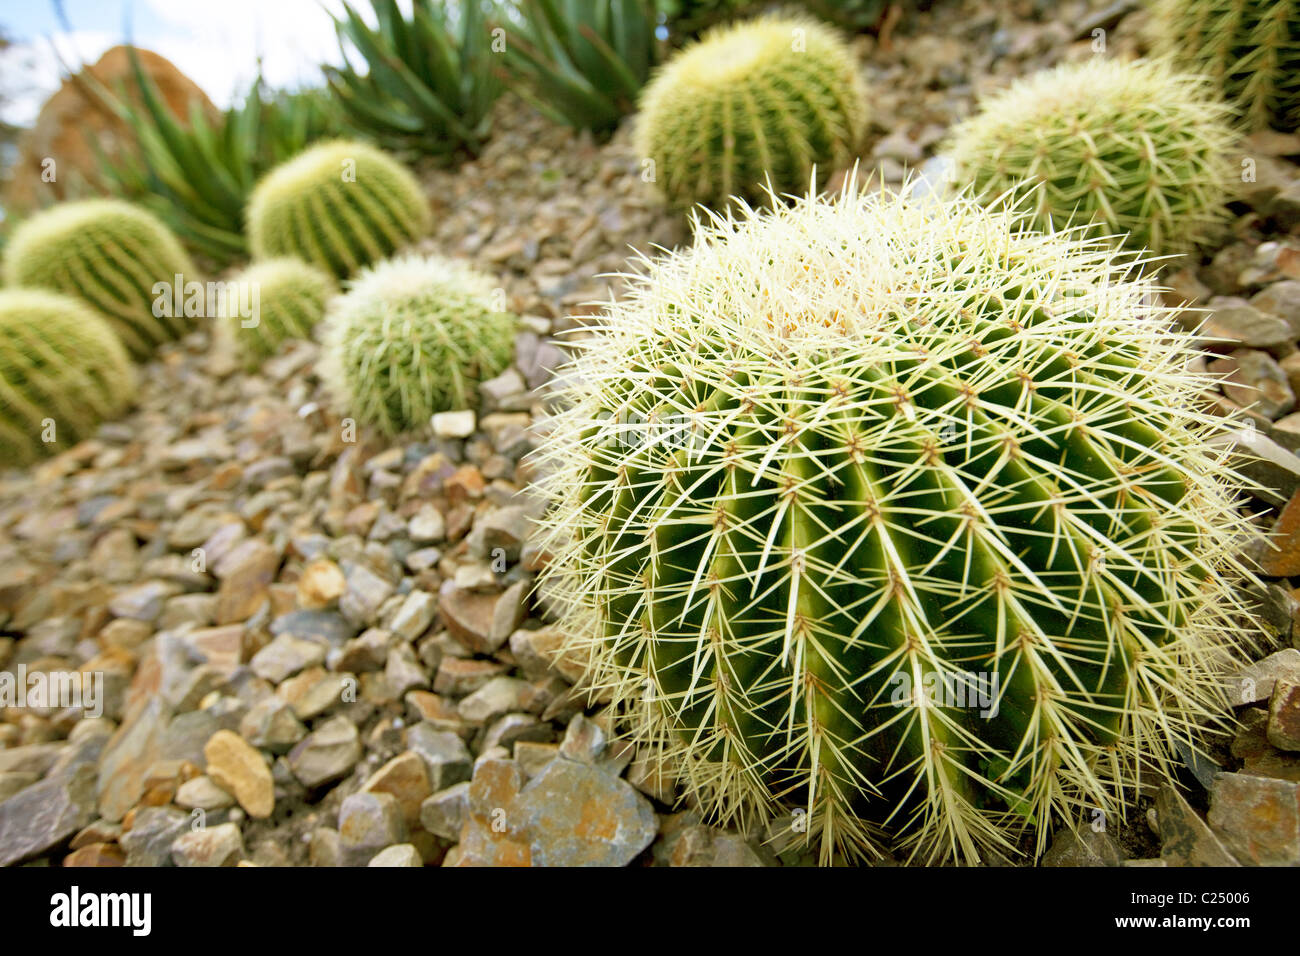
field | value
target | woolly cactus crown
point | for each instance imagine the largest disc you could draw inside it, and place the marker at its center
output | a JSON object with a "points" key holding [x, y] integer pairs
{"points": [[834, 456], [769, 98], [1250, 49], [110, 255], [1135, 148], [414, 336], [291, 299], [60, 363], [339, 205]]}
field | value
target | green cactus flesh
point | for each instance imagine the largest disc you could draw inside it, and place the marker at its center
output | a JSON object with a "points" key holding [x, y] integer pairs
{"points": [[768, 100], [1130, 149], [62, 372], [414, 336], [291, 298], [832, 457], [1250, 50], [339, 205], [110, 255]]}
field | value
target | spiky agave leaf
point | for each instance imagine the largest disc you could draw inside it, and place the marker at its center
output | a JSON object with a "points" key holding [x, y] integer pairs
{"points": [[833, 453], [414, 336], [1250, 49], [1132, 148]]}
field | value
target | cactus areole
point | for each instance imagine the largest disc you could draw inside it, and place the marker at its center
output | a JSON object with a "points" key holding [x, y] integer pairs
{"points": [[887, 525]]}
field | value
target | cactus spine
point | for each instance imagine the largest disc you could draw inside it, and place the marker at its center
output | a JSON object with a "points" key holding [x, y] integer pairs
{"points": [[340, 205], [767, 99], [109, 254], [291, 300], [62, 372], [414, 336], [1129, 148], [837, 471], [1250, 49]]}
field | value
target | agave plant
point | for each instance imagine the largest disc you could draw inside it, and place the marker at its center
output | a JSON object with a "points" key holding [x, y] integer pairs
{"points": [[197, 175], [582, 62], [427, 88]]}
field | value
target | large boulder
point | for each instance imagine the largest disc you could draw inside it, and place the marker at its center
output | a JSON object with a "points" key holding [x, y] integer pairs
{"points": [[72, 120]]}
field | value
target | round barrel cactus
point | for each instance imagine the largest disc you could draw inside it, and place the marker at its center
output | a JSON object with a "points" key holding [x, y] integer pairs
{"points": [[111, 255], [1133, 149], [1250, 49], [340, 205], [414, 336], [62, 372], [888, 522], [287, 298], [765, 100]]}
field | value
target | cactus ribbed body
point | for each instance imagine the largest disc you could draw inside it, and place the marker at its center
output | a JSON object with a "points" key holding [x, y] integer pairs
{"points": [[414, 336], [751, 101], [837, 471], [62, 372], [1250, 49], [291, 299], [109, 254], [339, 205], [1133, 148]]}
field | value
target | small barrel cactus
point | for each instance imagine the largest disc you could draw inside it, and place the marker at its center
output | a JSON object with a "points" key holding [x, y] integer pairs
{"points": [[1131, 149], [340, 205], [890, 519], [766, 100], [287, 298], [414, 336], [1250, 49], [111, 255], [62, 372]]}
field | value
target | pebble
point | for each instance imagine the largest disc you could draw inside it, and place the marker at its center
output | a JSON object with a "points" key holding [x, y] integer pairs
{"points": [[39, 817], [221, 845], [235, 766], [152, 833], [1284, 715], [1257, 818], [402, 854], [368, 822], [326, 754]]}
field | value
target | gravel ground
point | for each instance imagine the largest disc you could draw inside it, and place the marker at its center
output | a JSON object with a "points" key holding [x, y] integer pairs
{"points": [[326, 650]]}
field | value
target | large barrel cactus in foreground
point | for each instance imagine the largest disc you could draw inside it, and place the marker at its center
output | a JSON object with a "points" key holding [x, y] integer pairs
{"points": [[340, 205], [884, 521], [752, 103], [62, 372], [1250, 49], [111, 255]]}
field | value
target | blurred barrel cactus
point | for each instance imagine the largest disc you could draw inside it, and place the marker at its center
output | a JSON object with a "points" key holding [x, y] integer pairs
{"points": [[1133, 149], [340, 205], [768, 99], [414, 336], [1250, 49], [882, 521], [62, 372], [111, 255], [290, 298]]}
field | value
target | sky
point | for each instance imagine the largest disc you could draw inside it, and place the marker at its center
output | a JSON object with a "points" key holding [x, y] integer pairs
{"points": [[216, 43]]}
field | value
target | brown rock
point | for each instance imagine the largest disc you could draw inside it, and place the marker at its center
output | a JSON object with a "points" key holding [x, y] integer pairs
{"points": [[239, 769], [72, 122], [1258, 818], [96, 854], [246, 576], [1284, 715], [1283, 559], [406, 777], [321, 584]]}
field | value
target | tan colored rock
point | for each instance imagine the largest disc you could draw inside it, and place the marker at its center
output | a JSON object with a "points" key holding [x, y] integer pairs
{"points": [[321, 584], [236, 767]]}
